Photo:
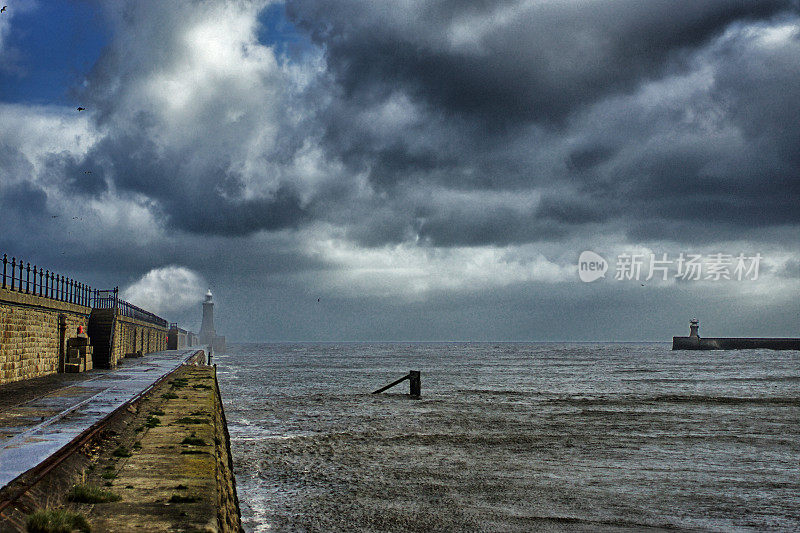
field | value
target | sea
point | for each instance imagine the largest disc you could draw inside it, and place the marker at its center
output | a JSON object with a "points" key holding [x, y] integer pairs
{"points": [[513, 437]]}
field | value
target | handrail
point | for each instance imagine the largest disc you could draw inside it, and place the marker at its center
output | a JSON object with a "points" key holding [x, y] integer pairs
{"points": [[37, 281], [109, 299], [19, 276]]}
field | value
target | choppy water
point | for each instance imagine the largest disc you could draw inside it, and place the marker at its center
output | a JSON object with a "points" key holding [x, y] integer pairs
{"points": [[514, 437]]}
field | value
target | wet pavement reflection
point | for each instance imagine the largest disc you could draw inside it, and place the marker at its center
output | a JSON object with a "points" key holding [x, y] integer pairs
{"points": [[33, 431]]}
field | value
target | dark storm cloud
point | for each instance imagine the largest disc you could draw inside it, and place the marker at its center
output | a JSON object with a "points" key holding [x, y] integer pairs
{"points": [[500, 97], [220, 216], [480, 75], [473, 123], [206, 200], [514, 62], [22, 204], [73, 176]]}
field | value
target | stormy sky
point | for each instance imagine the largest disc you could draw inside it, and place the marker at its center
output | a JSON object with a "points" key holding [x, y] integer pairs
{"points": [[348, 170]]}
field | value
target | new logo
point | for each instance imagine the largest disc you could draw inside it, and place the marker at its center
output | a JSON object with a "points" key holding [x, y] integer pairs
{"points": [[591, 266]]}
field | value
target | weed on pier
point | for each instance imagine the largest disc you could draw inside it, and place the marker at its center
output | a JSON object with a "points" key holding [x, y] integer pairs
{"points": [[56, 521], [91, 494]]}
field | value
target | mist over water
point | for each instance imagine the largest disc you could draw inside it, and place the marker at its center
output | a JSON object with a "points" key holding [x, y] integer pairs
{"points": [[513, 437]]}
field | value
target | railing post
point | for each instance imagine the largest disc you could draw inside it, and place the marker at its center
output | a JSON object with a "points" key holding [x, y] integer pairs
{"points": [[13, 268], [28, 278], [47, 283], [41, 273], [5, 262], [71, 291], [60, 285], [34, 278]]}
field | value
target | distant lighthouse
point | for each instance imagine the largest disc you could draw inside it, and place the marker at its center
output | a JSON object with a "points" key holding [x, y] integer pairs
{"points": [[694, 327], [207, 331]]}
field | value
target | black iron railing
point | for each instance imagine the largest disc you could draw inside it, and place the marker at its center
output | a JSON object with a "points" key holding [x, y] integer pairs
{"points": [[25, 278], [109, 299], [22, 277]]}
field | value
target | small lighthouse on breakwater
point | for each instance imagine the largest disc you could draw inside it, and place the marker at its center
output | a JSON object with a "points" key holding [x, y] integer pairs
{"points": [[694, 327]]}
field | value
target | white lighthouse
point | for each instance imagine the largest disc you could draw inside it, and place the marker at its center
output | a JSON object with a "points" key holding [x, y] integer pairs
{"points": [[208, 334], [207, 331]]}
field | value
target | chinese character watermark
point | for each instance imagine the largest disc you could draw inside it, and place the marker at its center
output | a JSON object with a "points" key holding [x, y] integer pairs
{"points": [[684, 267]]}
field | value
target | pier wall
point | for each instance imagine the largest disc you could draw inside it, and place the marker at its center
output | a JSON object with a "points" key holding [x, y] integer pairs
{"points": [[136, 337], [164, 483], [115, 336], [33, 333], [734, 343]]}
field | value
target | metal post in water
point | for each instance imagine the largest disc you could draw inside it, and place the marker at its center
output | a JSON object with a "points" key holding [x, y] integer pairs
{"points": [[414, 380], [415, 383]]}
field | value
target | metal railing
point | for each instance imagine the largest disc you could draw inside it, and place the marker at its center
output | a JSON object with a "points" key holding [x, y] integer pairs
{"points": [[24, 278], [21, 277], [109, 299]]}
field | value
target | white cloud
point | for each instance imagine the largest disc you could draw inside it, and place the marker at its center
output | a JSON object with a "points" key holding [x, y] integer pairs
{"points": [[166, 290], [414, 272], [38, 131]]}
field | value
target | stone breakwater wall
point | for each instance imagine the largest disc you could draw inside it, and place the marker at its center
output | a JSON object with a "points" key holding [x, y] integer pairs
{"points": [[33, 333], [115, 336], [735, 343], [176, 472]]}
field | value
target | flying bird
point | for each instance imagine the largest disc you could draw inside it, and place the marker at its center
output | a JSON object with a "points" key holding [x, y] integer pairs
{"points": [[87, 171], [3, 9], [317, 299], [81, 109]]}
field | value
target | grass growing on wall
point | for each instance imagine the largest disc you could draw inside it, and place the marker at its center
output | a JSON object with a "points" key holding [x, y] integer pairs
{"points": [[91, 494], [56, 521]]}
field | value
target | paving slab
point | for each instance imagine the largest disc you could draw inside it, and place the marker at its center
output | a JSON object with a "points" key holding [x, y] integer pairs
{"points": [[33, 431]]}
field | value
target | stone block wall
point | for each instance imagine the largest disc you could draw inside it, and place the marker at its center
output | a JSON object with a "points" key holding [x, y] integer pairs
{"points": [[30, 336], [115, 337], [132, 336]]}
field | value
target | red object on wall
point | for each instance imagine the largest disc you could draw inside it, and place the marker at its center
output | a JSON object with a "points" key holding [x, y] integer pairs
{"points": [[80, 330]]}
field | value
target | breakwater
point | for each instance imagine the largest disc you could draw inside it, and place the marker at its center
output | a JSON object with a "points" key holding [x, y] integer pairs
{"points": [[734, 343], [35, 330], [161, 461]]}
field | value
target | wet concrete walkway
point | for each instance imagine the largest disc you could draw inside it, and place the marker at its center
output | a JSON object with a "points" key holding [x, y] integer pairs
{"points": [[32, 431]]}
